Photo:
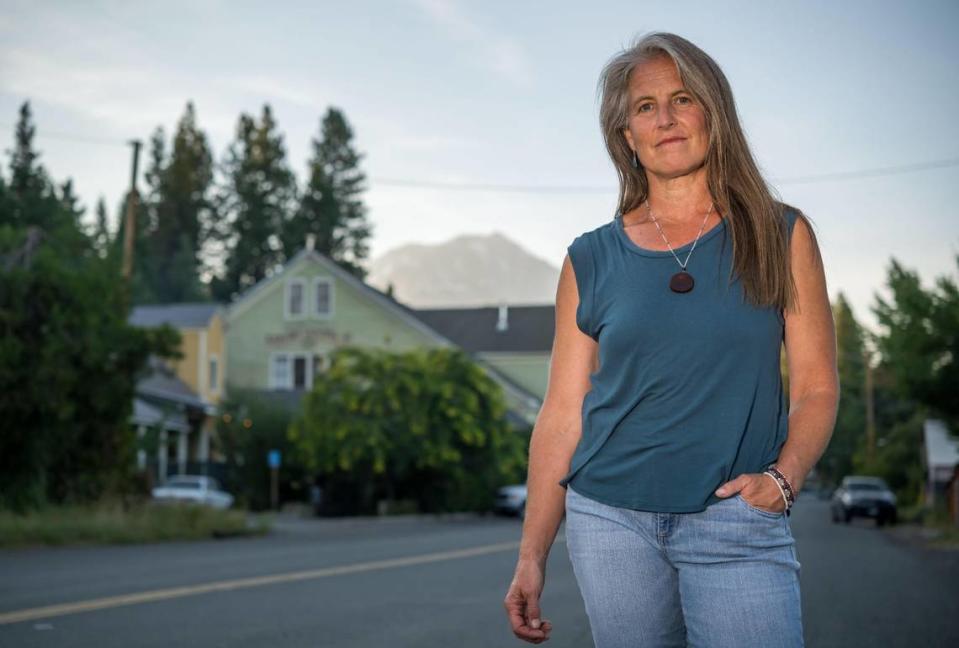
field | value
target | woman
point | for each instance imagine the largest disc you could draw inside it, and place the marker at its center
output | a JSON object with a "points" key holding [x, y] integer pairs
{"points": [[665, 418]]}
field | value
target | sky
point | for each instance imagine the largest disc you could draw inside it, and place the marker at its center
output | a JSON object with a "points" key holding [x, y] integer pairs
{"points": [[850, 108]]}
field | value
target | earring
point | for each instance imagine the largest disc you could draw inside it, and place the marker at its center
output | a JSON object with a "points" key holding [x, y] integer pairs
{"points": [[635, 160]]}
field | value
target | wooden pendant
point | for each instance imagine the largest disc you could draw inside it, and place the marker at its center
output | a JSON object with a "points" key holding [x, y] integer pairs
{"points": [[681, 282]]}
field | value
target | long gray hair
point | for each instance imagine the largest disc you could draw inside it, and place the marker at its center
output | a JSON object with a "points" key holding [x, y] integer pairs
{"points": [[753, 213]]}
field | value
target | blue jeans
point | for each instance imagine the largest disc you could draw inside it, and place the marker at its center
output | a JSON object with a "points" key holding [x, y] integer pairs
{"points": [[724, 577]]}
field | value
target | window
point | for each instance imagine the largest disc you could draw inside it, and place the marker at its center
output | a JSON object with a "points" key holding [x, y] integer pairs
{"points": [[213, 374], [280, 372], [299, 372], [295, 293], [323, 293], [295, 370]]}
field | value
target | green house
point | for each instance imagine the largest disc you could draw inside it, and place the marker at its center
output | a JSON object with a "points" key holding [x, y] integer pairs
{"points": [[280, 333], [516, 340]]}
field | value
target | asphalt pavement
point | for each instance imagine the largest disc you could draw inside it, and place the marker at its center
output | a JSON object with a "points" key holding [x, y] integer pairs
{"points": [[425, 581]]}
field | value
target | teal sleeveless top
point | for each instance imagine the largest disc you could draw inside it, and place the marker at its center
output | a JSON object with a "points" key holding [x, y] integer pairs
{"points": [[688, 393]]}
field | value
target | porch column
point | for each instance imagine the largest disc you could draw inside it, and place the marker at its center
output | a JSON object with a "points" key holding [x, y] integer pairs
{"points": [[161, 457], [141, 453], [181, 451], [204, 449]]}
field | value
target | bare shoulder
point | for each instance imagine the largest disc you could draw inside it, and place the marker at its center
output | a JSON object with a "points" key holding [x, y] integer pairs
{"points": [[804, 246], [574, 352]]}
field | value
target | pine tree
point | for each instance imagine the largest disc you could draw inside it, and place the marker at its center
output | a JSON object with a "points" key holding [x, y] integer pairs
{"points": [[255, 202], [101, 230], [849, 432], [7, 211], [33, 199], [175, 215], [153, 177], [70, 202], [182, 211], [181, 281], [28, 177], [331, 207]]}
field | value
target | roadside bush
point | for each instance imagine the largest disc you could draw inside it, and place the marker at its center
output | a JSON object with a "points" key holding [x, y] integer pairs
{"points": [[68, 366], [425, 425], [114, 521], [251, 424]]}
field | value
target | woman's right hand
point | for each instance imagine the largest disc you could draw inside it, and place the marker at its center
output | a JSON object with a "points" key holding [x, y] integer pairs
{"points": [[522, 602]]}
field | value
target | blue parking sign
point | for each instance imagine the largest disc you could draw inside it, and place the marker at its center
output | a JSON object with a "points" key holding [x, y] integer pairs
{"points": [[273, 458]]}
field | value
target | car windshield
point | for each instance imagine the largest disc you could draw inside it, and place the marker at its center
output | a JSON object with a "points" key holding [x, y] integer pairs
{"points": [[860, 486]]}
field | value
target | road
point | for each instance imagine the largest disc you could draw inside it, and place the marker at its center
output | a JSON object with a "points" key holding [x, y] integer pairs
{"points": [[423, 582]]}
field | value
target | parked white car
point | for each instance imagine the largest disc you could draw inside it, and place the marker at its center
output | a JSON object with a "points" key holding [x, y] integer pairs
{"points": [[193, 489], [511, 500]]}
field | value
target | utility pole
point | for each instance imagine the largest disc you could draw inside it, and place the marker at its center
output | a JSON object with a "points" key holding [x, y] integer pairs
{"points": [[133, 199]]}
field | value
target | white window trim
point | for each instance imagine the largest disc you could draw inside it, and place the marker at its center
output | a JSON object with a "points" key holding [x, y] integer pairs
{"points": [[287, 315], [291, 357], [328, 281], [271, 382], [214, 389]]}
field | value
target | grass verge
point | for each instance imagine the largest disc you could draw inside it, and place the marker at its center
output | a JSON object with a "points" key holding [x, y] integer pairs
{"points": [[115, 523], [946, 532], [937, 528]]}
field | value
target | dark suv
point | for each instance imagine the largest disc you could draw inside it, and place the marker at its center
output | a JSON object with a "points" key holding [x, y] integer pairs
{"points": [[864, 497]]}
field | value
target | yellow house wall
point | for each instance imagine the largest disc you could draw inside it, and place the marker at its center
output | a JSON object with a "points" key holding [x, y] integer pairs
{"points": [[215, 341], [185, 368], [197, 346]]}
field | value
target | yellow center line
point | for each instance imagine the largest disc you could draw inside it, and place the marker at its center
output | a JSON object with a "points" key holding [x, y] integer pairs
{"points": [[151, 596]]}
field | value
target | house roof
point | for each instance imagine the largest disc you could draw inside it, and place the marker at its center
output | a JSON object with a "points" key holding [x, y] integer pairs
{"points": [[941, 449], [149, 415], [183, 315], [529, 329], [162, 384], [405, 313]]}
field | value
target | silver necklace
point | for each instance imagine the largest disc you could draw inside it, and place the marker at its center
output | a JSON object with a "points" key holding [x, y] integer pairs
{"points": [[682, 281]]}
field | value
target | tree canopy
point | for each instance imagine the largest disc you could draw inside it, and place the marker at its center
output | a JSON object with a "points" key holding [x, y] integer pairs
{"points": [[428, 425]]}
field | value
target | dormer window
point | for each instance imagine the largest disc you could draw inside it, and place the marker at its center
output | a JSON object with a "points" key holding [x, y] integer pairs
{"points": [[323, 297], [295, 302]]}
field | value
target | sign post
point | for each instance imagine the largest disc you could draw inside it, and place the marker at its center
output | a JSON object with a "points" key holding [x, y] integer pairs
{"points": [[273, 460]]}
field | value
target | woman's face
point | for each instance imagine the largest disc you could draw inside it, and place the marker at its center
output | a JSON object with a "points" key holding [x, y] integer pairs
{"points": [[666, 126]]}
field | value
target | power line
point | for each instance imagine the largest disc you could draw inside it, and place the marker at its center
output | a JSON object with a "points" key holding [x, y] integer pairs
{"points": [[76, 138], [568, 189], [505, 188], [572, 189], [872, 173]]}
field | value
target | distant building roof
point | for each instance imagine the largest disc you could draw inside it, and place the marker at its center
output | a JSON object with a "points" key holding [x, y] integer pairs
{"points": [[517, 329], [942, 451], [162, 384], [149, 415], [184, 315]]}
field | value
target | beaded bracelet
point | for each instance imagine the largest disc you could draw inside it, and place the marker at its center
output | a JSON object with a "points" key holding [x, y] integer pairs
{"points": [[789, 495]]}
